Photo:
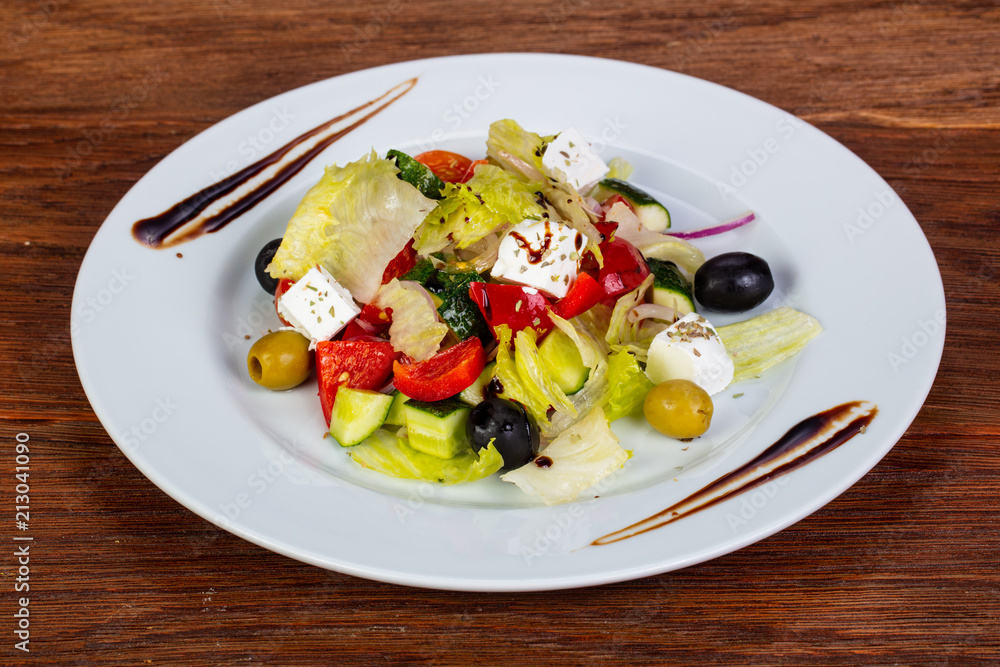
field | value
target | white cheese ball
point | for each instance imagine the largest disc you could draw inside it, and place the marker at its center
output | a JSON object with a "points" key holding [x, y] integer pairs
{"points": [[690, 349]]}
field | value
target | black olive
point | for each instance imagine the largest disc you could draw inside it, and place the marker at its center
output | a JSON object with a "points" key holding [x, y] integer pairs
{"points": [[733, 282], [508, 425], [264, 258]]}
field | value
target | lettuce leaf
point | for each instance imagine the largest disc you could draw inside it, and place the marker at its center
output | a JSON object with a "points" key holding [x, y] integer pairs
{"points": [[517, 150], [415, 330], [595, 389], [582, 456], [353, 223], [491, 200], [523, 377], [391, 455], [629, 386]]}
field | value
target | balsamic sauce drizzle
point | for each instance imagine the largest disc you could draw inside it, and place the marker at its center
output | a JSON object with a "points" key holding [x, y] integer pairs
{"points": [[806, 441], [189, 219]]}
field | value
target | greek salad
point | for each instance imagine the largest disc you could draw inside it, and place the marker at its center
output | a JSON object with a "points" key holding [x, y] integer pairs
{"points": [[464, 317]]}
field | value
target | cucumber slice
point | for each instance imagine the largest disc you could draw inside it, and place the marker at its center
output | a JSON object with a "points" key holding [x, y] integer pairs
{"points": [[396, 417], [652, 214], [670, 287], [437, 428], [562, 361], [474, 394], [357, 413], [416, 174]]}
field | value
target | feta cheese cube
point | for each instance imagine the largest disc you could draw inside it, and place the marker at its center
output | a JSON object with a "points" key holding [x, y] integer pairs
{"points": [[690, 349], [543, 254], [317, 306], [570, 158]]}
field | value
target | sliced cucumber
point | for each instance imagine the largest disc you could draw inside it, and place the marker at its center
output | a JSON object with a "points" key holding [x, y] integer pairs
{"points": [[396, 417], [416, 174], [561, 359], [652, 214], [670, 287], [474, 394], [357, 413], [437, 428]]}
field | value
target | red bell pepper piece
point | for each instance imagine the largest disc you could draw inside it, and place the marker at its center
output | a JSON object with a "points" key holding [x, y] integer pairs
{"points": [[624, 269], [512, 305], [445, 374], [401, 264], [584, 294], [360, 364]]}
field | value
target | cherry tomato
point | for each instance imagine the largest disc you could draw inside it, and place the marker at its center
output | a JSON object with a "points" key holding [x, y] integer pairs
{"points": [[282, 287], [449, 167], [445, 374], [372, 321], [360, 364], [511, 305], [471, 171]]}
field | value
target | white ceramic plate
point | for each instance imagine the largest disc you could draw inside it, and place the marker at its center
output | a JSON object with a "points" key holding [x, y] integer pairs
{"points": [[159, 335]]}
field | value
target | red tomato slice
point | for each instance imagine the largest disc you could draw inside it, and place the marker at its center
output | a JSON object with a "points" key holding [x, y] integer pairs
{"points": [[372, 321], [511, 305], [445, 374], [360, 364], [282, 287], [449, 167], [471, 171]]}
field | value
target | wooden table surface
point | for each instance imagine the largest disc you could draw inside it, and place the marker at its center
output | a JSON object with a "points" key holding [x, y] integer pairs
{"points": [[901, 569]]}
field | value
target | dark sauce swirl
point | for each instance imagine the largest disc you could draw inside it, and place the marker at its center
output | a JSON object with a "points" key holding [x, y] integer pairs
{"points": [[806, 441], [188, 219]]}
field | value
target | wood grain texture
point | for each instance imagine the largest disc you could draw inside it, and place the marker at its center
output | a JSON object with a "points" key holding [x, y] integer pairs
{"points": [[901, 569]]}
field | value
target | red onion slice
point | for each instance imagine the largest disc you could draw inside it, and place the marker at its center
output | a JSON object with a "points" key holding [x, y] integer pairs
{"points": [[718, 229]]}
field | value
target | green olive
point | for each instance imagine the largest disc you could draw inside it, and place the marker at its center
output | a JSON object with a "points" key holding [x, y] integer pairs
{"points": [[280, 360], [678, 409]]}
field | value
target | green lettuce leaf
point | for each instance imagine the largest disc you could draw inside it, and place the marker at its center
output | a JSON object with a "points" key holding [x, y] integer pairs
{"points": [[582, 456], [523, 377], [391, 455], [490, 201], [517, 150], [415, 330], [629, 386], [353, 223]]}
